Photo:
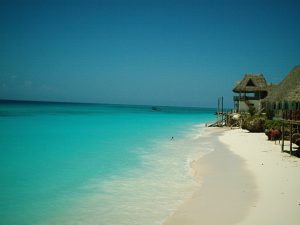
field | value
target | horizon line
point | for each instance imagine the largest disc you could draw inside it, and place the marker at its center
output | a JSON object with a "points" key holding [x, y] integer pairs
{"points": [[97, 103]]}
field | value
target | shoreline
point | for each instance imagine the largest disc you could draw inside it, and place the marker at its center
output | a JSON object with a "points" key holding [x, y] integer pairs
{"points": [[246, 180], [221, 173]]}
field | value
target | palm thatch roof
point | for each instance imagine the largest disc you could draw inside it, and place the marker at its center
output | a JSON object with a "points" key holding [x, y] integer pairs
{"points": [[271, 87], [288, 90], [251, 83]]}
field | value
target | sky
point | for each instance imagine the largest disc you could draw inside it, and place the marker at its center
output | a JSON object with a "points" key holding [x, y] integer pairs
{"points": [[148, 52]]}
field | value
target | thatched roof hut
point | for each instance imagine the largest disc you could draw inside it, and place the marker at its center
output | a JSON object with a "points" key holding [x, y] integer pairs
{"points": [[288, 90], [284, 99], [251, 83], [252, 89]]}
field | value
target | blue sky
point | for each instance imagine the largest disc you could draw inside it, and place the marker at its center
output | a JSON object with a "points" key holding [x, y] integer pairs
{"points": [[184, 53]]}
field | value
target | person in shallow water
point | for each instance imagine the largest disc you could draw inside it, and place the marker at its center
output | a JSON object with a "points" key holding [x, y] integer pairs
{"points": [[172, 138]]}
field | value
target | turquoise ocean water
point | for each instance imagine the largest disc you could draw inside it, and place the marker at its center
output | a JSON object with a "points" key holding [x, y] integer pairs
{"points": [[96, 164]]}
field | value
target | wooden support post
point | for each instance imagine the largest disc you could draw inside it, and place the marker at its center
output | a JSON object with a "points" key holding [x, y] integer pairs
{"points": [[291, 134], [218, 112], [222, 109], [282, 133]]}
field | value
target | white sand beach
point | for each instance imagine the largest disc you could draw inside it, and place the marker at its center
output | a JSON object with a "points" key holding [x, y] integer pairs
{"points": [[247, 180]]}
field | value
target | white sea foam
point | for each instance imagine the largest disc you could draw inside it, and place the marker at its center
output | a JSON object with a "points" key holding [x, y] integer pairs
{"points": [[145, 195]]}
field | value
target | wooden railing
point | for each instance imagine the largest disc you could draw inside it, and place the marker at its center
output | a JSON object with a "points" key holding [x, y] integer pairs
{"points": [[291, 115], [244, 98]]}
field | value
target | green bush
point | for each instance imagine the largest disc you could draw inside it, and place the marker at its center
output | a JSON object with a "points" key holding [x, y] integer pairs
{"points": [[254, 123], [273, 124]]}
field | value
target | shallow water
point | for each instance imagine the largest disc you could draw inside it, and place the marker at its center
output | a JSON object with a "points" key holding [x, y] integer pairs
{"points": [[96, 164]]}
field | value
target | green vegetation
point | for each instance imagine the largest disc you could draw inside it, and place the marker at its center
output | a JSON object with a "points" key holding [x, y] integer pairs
{"points": [[276, 124], [254, 123]]}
